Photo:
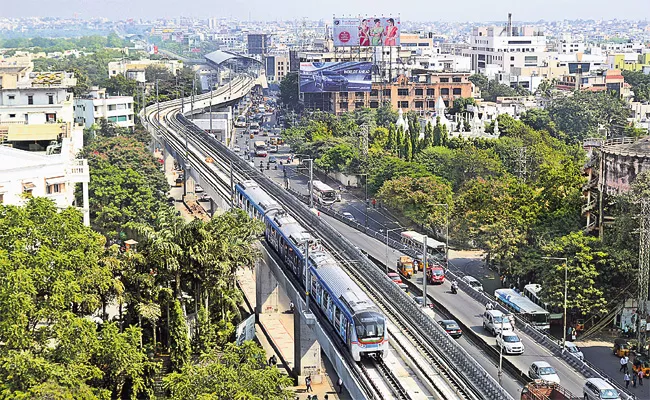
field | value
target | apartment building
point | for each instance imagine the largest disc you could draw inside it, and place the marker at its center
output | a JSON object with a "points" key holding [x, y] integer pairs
{"points": [[24, 174], [610, 80], [418, 93], [97, 104], [506, 47], [36, 107], [277, 67], [629, 61], [135, 69]]}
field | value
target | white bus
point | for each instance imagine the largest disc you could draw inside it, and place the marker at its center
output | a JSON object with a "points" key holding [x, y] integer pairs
{"points": [[323, 194], [531, 312], [260, 149], [414, 240]]}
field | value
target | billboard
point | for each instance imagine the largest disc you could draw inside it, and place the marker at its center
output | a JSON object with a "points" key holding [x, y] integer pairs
{"points": [[366, 32], [347, 76]]}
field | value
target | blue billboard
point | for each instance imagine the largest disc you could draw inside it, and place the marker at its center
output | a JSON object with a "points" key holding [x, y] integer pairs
{"points": [[345, 76]]}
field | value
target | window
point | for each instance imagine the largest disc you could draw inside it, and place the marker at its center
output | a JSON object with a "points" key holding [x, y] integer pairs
{"points": [[419, 104], [358, 104], [512, 58], [112, 119], [444, 80], [344, 95], [122, 118], [431, 104], [403, 104], [12, 115], [11, 96], [419, 92], [30, 99], [50, 117], [444, 92], [374, 104], [387, 92], [456, 79], [431, 92], [402, 92], [344, 105], [50, 99], [374, 93], [55, 188], [359, 95], [457, 91], [112, 107]]}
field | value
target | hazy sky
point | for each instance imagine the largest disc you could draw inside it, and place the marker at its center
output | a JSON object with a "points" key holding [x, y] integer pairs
{"points": [[414, 10]]}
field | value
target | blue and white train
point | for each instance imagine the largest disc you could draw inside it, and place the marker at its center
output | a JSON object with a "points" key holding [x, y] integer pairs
{"points": [[358, 322]]}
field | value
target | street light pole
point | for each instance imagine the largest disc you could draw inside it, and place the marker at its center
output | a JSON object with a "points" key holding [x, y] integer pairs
{"points": [[500, 373], [566, 288]]}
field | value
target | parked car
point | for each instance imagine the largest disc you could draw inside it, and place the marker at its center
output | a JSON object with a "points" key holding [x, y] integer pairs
{"points": [[451, 327], [543, 370], [394, 276], [473, 283], [511, 343]]}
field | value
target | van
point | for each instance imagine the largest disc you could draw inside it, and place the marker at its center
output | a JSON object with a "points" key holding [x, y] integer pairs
{"points": [[599, 389], [473, 283], [495, 320]]}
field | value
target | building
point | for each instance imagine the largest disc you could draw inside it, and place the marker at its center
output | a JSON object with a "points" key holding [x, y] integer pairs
{"points": [[24, 174], [135, 69], [258, 43], [97, 104], [419, 93], [610, 80], [277, 67], [36, 108], [629, 61], [506, 47]]}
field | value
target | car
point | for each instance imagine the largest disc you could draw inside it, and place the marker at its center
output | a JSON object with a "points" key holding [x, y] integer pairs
{"points": [[543, 370], [495, 321], [273, 160], [198, 189], [473, 283], [599, 389], [511, 343], [574, 350], [436, 275], [419, 300], [205, 197], [236, 149], [273, 148], [403, 286], [349, 216], [451, 327], [394, 276]]}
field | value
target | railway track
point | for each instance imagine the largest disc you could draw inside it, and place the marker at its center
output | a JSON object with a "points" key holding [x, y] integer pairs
{"points": [[409, 320]]}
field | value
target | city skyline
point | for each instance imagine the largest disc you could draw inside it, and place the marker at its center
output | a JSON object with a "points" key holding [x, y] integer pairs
{"points": [[411, 10]]}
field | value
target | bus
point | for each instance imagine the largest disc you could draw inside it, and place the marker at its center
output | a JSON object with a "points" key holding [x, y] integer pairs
{"points": [[532, 291], [323, 194], [522, 305], [435, 248], [260, 149]]}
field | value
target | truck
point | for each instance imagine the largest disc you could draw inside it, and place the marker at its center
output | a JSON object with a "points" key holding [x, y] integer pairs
{"points": [[405, 266], [539, 390]]}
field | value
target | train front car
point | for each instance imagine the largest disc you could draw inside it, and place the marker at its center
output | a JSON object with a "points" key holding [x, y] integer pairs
{"points": [[354, 316]]}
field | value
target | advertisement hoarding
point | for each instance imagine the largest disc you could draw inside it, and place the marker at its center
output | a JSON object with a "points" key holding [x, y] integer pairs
{"points": [[366, 32], [348, 76]]}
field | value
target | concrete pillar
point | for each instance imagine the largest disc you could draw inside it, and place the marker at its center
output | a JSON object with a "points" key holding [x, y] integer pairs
{"points": [[266, 290], [86, 206], [306, 349]]}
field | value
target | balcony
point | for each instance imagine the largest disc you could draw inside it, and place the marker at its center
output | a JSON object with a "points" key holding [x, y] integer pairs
{"points": [[77, 170]]}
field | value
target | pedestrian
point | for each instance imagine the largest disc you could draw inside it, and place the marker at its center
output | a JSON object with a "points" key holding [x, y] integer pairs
{"points": [[488, 306], [291, 307], [339, 383], [634, 376], [641, 376], [623, 364], [626, 379], [308, 384], [573, 335]]}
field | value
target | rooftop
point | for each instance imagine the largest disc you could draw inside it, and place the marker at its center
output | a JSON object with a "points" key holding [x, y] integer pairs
{"points": [[14, 159]]}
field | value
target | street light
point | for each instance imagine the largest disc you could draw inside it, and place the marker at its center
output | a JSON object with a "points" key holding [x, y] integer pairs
{"points": [[311, 178], [566, 285], [446, 205], [388, 231]]}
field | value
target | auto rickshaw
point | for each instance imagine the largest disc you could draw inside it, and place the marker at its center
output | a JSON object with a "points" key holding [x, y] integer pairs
{"points": [[641, 362], [580, 325], [621, 347]]}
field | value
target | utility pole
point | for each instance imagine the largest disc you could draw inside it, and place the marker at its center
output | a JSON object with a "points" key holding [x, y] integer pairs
{"points": [[644, 269], [311, 182], [424, 275]]}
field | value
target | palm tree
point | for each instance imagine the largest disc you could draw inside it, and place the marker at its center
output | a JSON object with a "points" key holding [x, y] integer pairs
{"points": [[151, 312]]}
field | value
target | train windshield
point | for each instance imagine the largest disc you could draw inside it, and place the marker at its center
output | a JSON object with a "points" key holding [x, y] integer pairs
{"points": [[369, 325]]}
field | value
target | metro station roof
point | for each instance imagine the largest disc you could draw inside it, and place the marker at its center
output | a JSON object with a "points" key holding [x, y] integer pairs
{"points": [[220, 56]]}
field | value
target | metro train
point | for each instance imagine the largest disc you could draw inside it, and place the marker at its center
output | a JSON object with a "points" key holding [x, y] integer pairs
{"points": [[356, 319]]}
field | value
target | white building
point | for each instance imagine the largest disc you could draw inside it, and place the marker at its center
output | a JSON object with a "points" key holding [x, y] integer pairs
{"points": [[506, 47], [568, 44], [117, 109], [24, 173], [35, 107], [135, 69]]}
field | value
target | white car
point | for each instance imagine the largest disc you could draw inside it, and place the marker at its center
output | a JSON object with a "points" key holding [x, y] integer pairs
{"points": [[198, 189], [511, 343], [236, 149], [473, 283], [349, 216], [543, 370], [574, 350]]}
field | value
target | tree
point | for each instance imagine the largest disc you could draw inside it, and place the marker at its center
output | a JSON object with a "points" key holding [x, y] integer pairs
{"points": [[540, 119], [640, 83], [461, 104], [437, 133], [480, 81], [180, 348], [428, 139], [407, 147], [385, 116], [119, 85], [289, 90], [240, 372]]}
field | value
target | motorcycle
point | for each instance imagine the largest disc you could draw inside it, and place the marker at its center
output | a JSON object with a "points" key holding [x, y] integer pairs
{"points": [[454, 288]]}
